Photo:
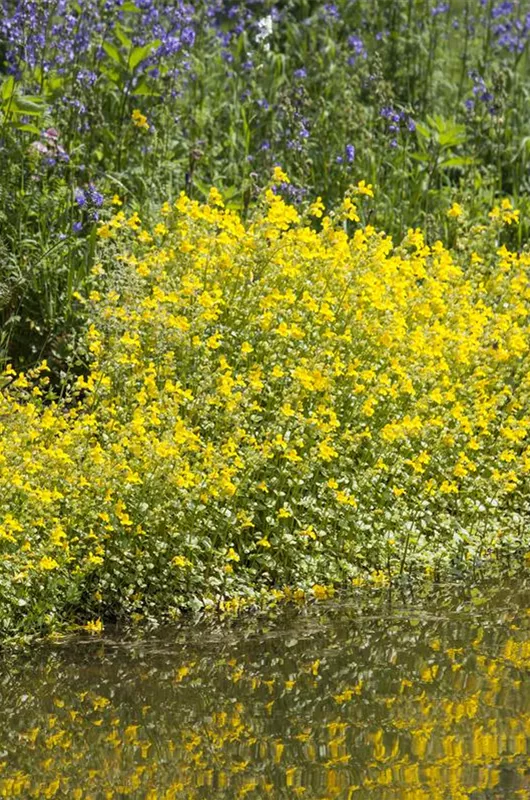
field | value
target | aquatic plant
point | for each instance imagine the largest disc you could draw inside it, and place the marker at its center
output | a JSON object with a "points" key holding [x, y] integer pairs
{"points": [[289, 401]]}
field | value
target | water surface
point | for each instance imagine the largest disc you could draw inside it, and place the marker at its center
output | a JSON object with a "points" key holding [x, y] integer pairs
{"points": [[413, 700]]}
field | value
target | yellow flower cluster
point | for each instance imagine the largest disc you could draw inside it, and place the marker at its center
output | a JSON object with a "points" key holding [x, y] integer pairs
{"points": [[140, 120], [268, 404], [506, 213]]}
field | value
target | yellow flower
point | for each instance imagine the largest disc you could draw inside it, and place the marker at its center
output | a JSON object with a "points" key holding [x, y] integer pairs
{"points": [[322, 593], [365, 188], [215, 197], [145, 237], [456, 210], [308, 532], [116, 201], [232, 555], [326, 450], [279, 176], [181, 561], [264, 542], [94, 626], [316, 209], [104, 231], [134, 222], [505, 212], [350, 210], [449, 487], [214, 341], [140, 120], [284, 513], [48, 563], [345, 499]]}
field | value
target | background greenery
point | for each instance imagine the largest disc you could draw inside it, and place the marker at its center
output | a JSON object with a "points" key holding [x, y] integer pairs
{"points": [[428, 101]]}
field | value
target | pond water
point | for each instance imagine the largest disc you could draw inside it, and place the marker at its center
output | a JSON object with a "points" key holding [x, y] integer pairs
{"points": [[370, 698]]}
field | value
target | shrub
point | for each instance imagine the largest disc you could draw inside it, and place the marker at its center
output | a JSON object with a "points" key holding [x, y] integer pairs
{"points": [[289, 401]]}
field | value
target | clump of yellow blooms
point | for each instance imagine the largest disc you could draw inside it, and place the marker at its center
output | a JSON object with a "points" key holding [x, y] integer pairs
{"points": [[140, 120], [455, 211], [505, 212], [268, 404]]}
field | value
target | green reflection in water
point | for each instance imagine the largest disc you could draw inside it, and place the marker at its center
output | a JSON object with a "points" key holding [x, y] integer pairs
{"points": [[328, 702]]}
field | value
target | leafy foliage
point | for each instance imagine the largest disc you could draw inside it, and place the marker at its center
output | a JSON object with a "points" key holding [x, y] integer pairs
{"points": [[288, 401]]}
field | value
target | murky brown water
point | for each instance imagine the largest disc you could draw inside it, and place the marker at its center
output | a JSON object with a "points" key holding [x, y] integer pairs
{"points": [[364, 700]]}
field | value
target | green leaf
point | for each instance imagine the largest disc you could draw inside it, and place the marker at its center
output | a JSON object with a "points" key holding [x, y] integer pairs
{"points": [[452, 137], [139, 54], [144, 90], [457, 161], [122, 36], [202, 187], [112, 52], [53, 83], [8, 87], [230, 192], [423, 157], [28, 128], [21, 105], [112, 74], [423, 130]]}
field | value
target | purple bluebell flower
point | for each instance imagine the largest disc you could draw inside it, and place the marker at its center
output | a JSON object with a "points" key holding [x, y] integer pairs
{"points": [[95, 197], [289, 190], [54, 35], [481, 93], [356, 44], [303, 131], [86, 77], [398, 122], [331, 11], [187, 37], [441, 8], [80, 198], [502, 9]]}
